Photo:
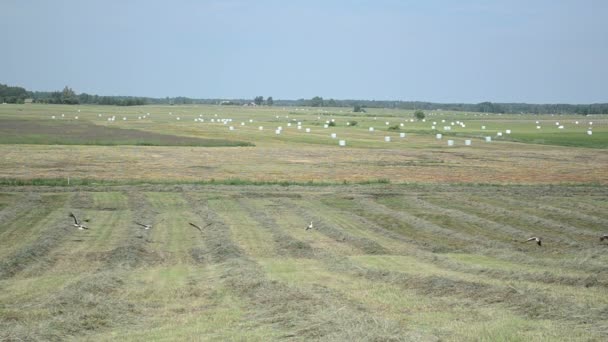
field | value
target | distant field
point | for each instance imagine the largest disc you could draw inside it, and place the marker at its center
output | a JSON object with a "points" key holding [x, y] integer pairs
{"points": [[383, 262], [51, 132], [525, 156]]}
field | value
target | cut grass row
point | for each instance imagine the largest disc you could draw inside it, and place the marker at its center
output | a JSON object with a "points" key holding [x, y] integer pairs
{"points": [[257, 274]]}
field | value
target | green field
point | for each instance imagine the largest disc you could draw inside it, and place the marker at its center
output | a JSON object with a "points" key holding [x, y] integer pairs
{"points": [[382, 263], [413, 240]]}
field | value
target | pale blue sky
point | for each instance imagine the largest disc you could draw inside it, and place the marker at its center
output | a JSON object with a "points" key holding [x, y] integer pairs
{"points": [[442, 51]]}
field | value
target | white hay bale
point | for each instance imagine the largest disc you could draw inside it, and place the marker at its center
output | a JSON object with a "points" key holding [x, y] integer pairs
{"points": [[242, 124], [401, 124], [325, 126], [499, 134], [432, 127], [450, 142], [387, 139], [590, 123], [342, 142], [483, 127], [560, 127], [371, 129], [387, 123], [401, 135], [467, 142], [537, 127], [53, 117], [589, 132], [488, 139], [277, 131], [438, 136], [231, 128], [508, 131], [334, 135]]}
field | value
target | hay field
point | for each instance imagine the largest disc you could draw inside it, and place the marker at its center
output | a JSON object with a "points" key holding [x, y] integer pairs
{"points": [[295, 155], [382, 262], [413, 240]]}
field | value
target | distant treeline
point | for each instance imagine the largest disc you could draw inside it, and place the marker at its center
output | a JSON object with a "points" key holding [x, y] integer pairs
{"points": [[13, 94], [68, 96], [484, 107]]}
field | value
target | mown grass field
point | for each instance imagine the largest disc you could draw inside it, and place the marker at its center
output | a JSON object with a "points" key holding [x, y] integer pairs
{"points": [[413, 240], [525, 156], [383, 262]]}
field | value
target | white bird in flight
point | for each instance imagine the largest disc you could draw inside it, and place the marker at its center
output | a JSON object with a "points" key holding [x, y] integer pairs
{"points": [[537, 239], [77, 223]]}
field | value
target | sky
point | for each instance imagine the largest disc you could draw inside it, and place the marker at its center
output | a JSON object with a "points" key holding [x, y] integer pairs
{"points": [[467, 51]]}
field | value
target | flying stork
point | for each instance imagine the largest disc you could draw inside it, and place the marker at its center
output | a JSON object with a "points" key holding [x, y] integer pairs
{"points": [[537, 239], [77, 223]]}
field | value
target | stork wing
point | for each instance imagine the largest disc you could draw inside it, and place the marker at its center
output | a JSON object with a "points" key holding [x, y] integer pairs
{"points": [[195, 226], [143, 225], [74, 217], [532, 238]]}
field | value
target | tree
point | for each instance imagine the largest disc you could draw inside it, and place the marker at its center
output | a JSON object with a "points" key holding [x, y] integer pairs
{"points": [[316, 101], [418, 114], [269, 101], [357, 108], [258, 100]]}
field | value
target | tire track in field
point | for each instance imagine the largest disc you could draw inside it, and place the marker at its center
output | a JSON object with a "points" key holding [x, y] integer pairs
{"points": [[286, 216], [325, 222], [548, 228], [173, 237], [218, 245], [49, 232], [564, 215], [260, 210], [134, 250], [19, 206], [483, 226], [426, 233], [292, 311], [582, 205], [245, 231]]}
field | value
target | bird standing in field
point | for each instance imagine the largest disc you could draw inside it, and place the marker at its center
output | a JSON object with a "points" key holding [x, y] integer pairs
{"points": [[604, 237], [309, 226], [537, 239], [77, 223]]}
